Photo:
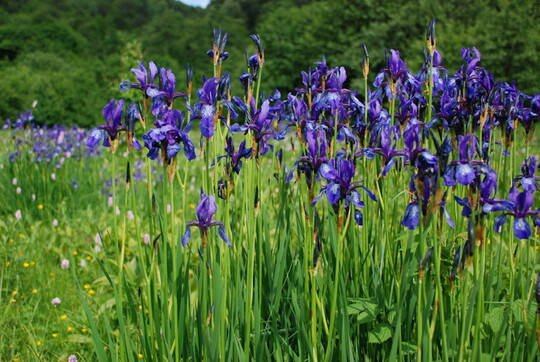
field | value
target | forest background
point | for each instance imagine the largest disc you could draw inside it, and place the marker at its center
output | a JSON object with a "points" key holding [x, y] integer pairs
{"points": [[70, 55]]}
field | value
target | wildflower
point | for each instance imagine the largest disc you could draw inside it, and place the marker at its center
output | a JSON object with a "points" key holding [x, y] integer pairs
{"points": [[109, 131], [18, 191], [34, 291], [55, 222], [130, 215], [54, 335], [56, 301], [53, 176], [18, 215], [235, 158], [463, 170], [83, 263], [340, 187], [14, 181], [205, 210], [63, 317], [519, 206], [26, 265], [146, 239], [110, 201], [170, 136], [145, 78], [65, 264], [40, 206], [528, 180]]}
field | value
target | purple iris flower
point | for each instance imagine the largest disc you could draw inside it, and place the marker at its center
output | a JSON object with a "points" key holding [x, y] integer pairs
{"points": [[109, 131], [311, 162], [339, 174], [528, 180], [259, 122], [396, 73], [463, 170], [170, 137], [167, 86], [205, 211], [388, 139], [234, 159], [213, 92], [519, 206], [145, 79]]}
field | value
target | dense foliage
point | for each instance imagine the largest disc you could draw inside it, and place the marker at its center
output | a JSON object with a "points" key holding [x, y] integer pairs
{"points": [[71, 55]]}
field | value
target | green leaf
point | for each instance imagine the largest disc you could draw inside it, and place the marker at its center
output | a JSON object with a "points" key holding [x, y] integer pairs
{"points": [[523, 311], [496, 319], [366, 310], [380, 333]]}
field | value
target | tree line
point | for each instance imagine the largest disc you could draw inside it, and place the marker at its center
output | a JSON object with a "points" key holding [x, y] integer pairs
{"points": [[71, 55]]}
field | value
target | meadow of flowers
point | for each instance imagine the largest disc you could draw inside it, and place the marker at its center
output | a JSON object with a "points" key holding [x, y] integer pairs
{"points": [[395, 223]]}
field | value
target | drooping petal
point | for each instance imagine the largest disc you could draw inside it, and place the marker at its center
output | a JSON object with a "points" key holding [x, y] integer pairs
{"points": [[411, 219], [328, 172], [355, 198], [95, 136], [370, 194], [499, 222], [522, 230], [465, 174], [186, 236], [223, 235], [333, 192], [173, 149], [207, 120], [450, 176]]}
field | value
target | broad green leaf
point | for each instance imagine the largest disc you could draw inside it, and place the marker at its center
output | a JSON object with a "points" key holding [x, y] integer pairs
{"points": [[365, 309], [380, 333], [496, 319]]}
